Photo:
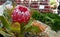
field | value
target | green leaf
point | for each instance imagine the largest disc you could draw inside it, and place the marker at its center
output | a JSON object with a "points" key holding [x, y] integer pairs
{"points": [[35, 29], [5, 22], [6, 34], [28, 25]]}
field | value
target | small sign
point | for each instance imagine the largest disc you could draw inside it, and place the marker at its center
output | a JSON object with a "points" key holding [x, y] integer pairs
{"points": [[41, 7]]}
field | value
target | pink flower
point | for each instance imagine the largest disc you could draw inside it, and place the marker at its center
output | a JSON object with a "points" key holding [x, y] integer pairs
{"points": [[21, 14]]}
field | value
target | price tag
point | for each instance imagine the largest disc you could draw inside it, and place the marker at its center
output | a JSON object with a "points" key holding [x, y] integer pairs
{"points": [[1, 10], [41, 7]]}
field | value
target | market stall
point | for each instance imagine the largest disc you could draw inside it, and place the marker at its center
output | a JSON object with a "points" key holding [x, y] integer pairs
{"points": [[28, 18]]}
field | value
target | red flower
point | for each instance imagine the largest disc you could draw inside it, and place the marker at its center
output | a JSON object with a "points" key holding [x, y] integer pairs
{"points": [[21, 14]]}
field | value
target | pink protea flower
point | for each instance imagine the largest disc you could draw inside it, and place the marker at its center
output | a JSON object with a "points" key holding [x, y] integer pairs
{"points": [[21, 14]]}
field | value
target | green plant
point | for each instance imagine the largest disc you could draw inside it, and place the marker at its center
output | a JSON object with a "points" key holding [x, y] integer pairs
{"points": [[53, 20]]}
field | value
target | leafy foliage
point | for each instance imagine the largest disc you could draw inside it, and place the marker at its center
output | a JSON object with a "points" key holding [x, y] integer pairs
{"points": [[53, 20], [30, 28]]}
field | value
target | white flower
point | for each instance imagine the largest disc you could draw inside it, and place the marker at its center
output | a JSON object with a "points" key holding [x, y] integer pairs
{"points": [[9, 6]]}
